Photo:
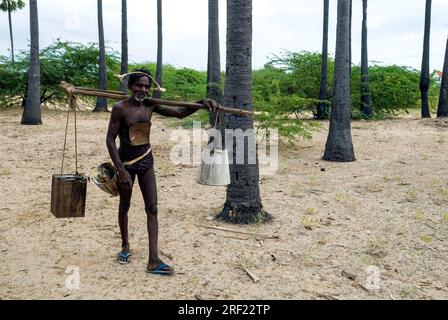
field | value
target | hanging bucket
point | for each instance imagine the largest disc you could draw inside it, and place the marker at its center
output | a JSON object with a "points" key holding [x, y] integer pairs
{"points": [[68, 191], [214, 169], [68, 195], [106, 179]]}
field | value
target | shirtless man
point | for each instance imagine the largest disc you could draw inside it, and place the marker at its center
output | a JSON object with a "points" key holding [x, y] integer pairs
{"points": [[126, 114]]}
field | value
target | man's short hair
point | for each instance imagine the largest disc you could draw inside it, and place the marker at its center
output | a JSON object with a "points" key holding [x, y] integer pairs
{"points": [[133, 77]]}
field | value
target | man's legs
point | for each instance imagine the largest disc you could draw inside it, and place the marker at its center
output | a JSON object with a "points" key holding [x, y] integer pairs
{"points": [[123, 209], [148, 186]]}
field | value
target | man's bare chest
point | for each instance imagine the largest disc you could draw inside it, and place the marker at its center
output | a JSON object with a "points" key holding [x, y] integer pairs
{"points": [[137, 115]]}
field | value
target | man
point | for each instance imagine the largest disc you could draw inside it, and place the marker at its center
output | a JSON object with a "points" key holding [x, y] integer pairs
{"points": [[131, 121]]}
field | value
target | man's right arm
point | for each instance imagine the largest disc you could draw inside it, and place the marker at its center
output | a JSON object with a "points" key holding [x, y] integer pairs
{"points": [[112, 133]]}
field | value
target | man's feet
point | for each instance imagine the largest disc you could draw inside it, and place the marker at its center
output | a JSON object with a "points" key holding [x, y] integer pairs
{"points": [[159, 268], [124, 256]]}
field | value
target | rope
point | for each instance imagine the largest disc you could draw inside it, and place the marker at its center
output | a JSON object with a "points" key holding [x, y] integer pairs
{"points": [[65, 141], [76, 136], [72, 105], [217, 118]]}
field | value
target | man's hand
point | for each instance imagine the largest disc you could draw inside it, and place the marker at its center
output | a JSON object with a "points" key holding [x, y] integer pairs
{"points": [[124, 179], [210, 104]]}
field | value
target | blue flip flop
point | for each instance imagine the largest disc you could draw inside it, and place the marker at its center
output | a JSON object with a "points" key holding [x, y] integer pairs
{"points": [[123, 258], [159, 270]]}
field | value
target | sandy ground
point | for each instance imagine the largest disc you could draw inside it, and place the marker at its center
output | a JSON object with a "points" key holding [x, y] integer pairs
{"points": [[373, 229]]}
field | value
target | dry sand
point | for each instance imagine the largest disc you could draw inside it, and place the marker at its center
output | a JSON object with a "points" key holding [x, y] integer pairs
{"points": [[387, 211]]}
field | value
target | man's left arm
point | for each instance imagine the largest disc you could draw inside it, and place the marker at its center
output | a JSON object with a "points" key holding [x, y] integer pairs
{"points": [[182, 112]]}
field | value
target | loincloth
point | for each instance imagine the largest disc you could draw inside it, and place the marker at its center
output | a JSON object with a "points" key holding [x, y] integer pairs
{"points": [[131, 153]]}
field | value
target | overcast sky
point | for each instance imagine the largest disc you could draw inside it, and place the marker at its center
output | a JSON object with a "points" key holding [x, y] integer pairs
{"points": [[395, 29]]}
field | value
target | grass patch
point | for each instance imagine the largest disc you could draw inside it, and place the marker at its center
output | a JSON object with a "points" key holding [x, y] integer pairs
{"points": [[5, 172]]}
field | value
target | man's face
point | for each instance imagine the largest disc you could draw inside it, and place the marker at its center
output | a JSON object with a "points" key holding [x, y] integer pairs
{"points": [[141, 88]]}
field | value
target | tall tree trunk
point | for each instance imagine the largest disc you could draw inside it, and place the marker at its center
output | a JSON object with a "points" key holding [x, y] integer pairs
{"points": [[350, 41], [32, 111], [159, 66], [11, 35], [124, 43], [366, 99], [214, 90], [243, 204], [339, 145], [101, 103], [322, 108], [424, 77], [442, 110]]}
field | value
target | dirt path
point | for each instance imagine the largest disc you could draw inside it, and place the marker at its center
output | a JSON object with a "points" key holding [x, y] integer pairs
{"points": [[343, 229]]}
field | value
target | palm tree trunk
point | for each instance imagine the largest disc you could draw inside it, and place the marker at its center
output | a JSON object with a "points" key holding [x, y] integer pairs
{"points": [[442, 110], [11, 35], [101, 103], [124, 43], [32, 111], [214, 90], [322, 109], [243, 204], [159, 66], [350, 41], [424, 77], [339, 145], [366, 105]]}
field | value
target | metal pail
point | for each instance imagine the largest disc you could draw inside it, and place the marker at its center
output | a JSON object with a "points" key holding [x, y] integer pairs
{"points": [[214, 169], [106, 179]]}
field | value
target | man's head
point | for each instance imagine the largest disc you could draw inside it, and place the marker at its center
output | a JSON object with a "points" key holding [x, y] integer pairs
{"points": [[139, 83]]}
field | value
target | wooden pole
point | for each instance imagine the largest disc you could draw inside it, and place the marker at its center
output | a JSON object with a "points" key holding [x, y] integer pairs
{"points": [[71, 89]]}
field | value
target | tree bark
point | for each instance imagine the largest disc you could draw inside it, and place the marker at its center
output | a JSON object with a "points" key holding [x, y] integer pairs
{"points": [[366, 99], [159, 66], [243, 203], [350, 42], [11, 35], [424, 77], [322, 108], [124, 43], [442, 110], [32, 111], [101, 103], [339, 145], [214, 90]]}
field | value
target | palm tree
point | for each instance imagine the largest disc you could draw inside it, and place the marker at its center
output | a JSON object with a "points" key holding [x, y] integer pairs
{"points": [[424, 77], [159, 75], [32, 111], [101, 103], [350, 40], [366, 104], [339, 145], [124, 43], [322, 109], [11, 6], [442, 110], [214, 59], [243, 203]]}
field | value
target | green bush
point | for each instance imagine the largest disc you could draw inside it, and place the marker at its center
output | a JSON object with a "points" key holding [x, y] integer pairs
{"points": [[286, 93], [394, 89], [303, 73], [61, 61]]}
